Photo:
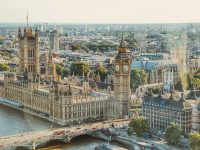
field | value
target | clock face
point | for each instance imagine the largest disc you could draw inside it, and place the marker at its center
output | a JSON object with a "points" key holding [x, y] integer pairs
{"points": [[117, 67], [125, 68]]}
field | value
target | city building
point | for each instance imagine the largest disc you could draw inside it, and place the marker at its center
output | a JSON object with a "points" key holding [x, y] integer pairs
{"points": [[54, 40], [69, 101], [159, 71], [194, 63], [193, 98], [180, 108]]}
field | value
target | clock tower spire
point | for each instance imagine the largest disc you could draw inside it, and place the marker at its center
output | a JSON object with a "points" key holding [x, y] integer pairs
{"points": [[122, 80]]}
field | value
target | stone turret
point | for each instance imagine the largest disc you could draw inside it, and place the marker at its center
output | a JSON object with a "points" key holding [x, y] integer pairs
{"points": [[98, 78], [51, 68], [28, 51], [19, 33]]}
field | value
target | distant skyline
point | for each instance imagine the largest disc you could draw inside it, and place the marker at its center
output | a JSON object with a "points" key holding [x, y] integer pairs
{"points": [[100, 11]]}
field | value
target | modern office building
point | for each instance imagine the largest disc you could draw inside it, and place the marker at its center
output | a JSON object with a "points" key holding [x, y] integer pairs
{"points": [[54, 40]]}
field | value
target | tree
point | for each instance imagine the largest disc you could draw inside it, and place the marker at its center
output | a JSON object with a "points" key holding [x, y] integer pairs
{"points": [[83, 46], [194, 139], [65, 72], [90, 120], [189, 81], [138, 77], [173, 134], [78, 68], [59, 69], [76, 46], [196, 82], [139, 126], [4, 67], [102, 72], [155, 90], [132, 43], [197, 74], [178, 85]]}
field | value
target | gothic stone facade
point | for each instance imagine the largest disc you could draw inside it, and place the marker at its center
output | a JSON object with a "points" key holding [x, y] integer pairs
{"points": [[28, 51], [61, 102]]}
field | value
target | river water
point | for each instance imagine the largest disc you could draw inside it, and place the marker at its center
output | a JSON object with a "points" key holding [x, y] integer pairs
{"points": [[13, 122]]}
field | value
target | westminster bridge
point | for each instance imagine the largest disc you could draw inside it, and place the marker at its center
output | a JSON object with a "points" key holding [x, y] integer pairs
{"points": [[34, 140]]}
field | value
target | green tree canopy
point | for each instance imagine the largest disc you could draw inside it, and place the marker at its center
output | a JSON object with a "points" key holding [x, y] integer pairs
{"points": [[62, 71], [102, 72], [59, 69], [132, 43], [6, 55], [194, 139], [138, 77], [173, 134], [178, 85], [76, 46], [197, 74], [65, 72], [90, 120], [4, 67], [189, 81], [78, 68], [139, 126], [196, 82], [155, 90]]}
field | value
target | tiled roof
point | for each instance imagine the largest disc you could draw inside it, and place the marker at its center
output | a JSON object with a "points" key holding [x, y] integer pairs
{"points": [[149, 65], [173, 102]]}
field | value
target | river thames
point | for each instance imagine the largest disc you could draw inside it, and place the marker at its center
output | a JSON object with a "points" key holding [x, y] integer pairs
{"points": [[14, 122]]}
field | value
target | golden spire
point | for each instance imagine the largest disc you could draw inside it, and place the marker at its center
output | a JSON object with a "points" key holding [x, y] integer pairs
{"points": [[122, 46]]}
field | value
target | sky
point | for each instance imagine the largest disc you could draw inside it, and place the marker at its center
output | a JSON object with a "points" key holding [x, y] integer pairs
{"points": [[100, 11]]}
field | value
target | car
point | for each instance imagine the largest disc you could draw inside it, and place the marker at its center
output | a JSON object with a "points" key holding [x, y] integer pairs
{"points": [[58, 132], [78, 128], [85, 129]]}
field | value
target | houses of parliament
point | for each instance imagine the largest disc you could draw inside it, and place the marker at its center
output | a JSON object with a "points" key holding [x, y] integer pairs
{"points": [[63, 101]]}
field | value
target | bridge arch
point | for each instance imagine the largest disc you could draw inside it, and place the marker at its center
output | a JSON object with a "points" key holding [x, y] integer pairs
{"points": [[76, 137], [23, 147], [46, 142]]}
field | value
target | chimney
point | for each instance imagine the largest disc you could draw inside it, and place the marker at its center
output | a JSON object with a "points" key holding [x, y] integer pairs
{"points": [[194, 94], [182, 97]]}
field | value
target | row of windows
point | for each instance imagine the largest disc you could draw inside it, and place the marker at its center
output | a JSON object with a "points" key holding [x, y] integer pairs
{"points": [[31, 53], [31, 68]]}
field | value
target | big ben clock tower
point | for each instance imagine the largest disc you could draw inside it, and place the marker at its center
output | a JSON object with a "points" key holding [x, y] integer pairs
{"points": [[122, 80]]}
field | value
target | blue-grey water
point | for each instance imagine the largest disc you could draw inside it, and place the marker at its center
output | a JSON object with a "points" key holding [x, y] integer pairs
{"points": [[13, 121]]}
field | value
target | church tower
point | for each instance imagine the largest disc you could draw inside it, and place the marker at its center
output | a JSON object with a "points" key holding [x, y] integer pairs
{"points": [[28, 51], [122, 80]]}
